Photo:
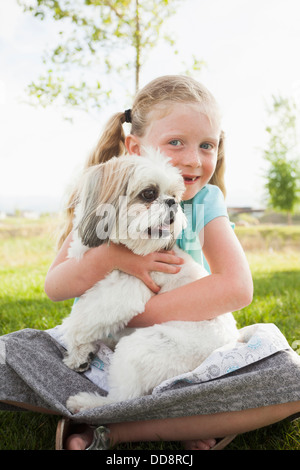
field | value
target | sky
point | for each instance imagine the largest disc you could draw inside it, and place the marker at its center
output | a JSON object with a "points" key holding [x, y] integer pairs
{"points": [[250, 49]]}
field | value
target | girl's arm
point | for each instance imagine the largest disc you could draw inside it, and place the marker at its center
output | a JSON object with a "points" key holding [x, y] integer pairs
{"points": [[227, 289], [68, 278]]}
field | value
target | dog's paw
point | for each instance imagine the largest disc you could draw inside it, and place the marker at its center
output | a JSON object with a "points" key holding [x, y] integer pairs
{"points": [[84, 401], [74, 404], [78, 364]]}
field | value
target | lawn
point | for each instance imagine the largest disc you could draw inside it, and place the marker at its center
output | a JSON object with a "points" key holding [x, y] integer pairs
{"points": [[26, 252]]}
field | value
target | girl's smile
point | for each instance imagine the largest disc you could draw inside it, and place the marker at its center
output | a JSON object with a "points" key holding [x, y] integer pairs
{"points": [[188, 137], [189, 179]]}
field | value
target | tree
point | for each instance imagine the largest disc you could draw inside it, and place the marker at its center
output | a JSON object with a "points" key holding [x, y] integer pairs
{"points": [[97, 38], [282, 155]]}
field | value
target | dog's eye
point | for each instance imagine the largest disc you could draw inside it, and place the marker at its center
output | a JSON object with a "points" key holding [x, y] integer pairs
{"points": [[149, 195]]}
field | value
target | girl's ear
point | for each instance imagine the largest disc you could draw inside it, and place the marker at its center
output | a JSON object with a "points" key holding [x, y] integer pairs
{"points": [[133, 145]]}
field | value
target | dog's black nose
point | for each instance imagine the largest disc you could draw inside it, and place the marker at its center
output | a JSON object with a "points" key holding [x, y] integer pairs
{"points": [[170, 202]]}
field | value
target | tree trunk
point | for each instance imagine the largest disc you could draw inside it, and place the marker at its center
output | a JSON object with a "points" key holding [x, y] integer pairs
{"points": [[137, 46]]}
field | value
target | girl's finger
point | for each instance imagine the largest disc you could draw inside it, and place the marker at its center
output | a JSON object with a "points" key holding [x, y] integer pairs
{"points": [[167, 268], [151, 284], [169, 258]]}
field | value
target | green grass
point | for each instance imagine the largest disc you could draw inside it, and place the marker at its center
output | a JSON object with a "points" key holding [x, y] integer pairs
{"points": [[23, 304], [22, 274], [276, 278]]}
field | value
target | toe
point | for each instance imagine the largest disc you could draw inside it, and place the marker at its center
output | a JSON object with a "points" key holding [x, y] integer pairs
{"points": [[203, 444]]}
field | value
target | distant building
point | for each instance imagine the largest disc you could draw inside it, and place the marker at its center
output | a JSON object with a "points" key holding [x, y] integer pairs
{"points": [[30, 215], [246, 210]]}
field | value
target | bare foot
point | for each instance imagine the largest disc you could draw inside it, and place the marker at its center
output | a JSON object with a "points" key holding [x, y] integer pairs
{"points": [[204, 444], [80, 440]]}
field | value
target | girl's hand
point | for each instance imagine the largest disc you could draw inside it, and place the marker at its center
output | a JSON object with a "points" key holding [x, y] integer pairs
{"points": [[142, 266], [68, 277]]}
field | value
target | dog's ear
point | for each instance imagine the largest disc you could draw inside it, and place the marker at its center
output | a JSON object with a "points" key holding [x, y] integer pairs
{"points": [[102, 185]]}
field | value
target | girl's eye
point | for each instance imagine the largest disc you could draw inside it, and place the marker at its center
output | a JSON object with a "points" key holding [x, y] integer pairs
{"points": [[175, 142], [206, 146]]}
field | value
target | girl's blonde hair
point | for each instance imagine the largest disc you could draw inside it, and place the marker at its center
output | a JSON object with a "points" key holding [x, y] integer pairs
{"points": [[163, 91]]}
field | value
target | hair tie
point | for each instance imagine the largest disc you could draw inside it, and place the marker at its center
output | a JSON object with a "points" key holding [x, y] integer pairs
{"points": [[128, 115]]}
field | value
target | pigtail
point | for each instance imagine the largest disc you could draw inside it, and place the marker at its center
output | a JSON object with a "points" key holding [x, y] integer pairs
{"points": [[218, 178], [111, 144], [68, 217]]}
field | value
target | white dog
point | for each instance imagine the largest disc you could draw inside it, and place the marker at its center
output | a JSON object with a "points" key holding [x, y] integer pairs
{"points": [[134, 200]]}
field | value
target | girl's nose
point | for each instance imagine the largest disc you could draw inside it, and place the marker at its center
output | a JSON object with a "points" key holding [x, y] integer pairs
{"points": [[193, 158]]}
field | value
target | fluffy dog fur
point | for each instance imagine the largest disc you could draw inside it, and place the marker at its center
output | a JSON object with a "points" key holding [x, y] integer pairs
{"points": [[134, 200]]}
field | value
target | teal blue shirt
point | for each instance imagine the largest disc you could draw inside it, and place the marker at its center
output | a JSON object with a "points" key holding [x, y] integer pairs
{"points": [[205, 206]]}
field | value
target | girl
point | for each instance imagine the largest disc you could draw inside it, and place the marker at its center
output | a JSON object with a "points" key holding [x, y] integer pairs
{"points": [[181, 117]]}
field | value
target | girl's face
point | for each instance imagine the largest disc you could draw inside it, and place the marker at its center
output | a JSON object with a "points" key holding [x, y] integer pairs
{"points": [[187, 136]]}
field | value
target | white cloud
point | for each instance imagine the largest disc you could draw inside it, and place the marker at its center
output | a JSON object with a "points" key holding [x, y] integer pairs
{"points": [[10, 17], [2, 93]]}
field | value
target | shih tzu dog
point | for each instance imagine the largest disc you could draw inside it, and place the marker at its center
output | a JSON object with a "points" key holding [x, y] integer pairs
{"points": [[134, 200]]}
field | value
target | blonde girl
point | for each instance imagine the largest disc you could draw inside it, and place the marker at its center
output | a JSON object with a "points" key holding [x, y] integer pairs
{"points": [[181, 117]]}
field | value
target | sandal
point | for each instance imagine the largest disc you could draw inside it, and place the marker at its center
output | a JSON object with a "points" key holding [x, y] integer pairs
{"points": [[222, 443], [100, 439], [62, 431]]}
